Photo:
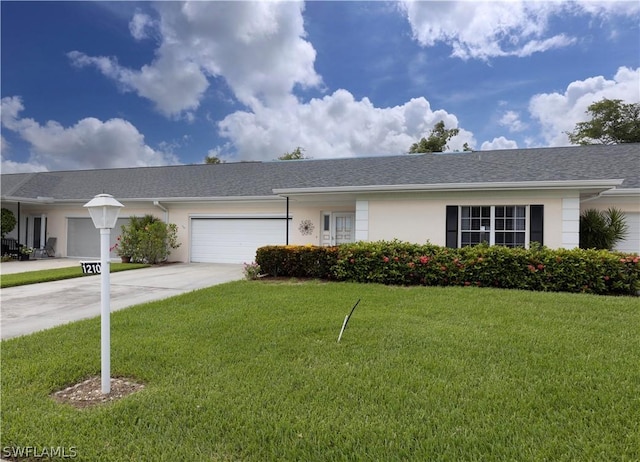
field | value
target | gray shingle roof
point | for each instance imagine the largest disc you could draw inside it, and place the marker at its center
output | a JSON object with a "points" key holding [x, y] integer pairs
{"points": [[251, 179]]}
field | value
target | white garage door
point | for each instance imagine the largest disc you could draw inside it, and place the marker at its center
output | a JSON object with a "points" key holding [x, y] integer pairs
{"points": [[233, 240], [83, 239], [632, 242]]}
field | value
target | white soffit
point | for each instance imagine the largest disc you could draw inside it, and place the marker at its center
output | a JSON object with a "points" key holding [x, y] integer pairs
{"points": [[596, 185]]}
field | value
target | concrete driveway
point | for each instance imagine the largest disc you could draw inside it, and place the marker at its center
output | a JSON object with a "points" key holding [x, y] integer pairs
{"points": [[34, 307]]}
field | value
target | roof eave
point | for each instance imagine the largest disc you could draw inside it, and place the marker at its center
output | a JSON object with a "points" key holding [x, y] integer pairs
{"points": [[28, 200], [50, 200], [623, 192], [202, 199], [455, 187]]}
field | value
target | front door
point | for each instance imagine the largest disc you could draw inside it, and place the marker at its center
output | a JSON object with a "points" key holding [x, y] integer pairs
{"points": [[338, 228], [36, 231], [344, 228]]}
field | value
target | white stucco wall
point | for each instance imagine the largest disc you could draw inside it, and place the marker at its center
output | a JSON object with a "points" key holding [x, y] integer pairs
{"points": [[58, 215], [412, 217], [55, 227], [422, 217], [313, 211], [408, 220]]}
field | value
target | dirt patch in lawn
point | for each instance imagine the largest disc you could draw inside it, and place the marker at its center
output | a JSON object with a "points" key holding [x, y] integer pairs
{"points": [[89, 392]]}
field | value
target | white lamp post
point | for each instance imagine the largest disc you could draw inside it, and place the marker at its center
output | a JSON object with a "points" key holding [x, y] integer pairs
{"points": [[104, 211]]}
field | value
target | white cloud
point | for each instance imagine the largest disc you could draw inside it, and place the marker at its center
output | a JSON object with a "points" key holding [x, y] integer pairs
{"points": [[261, 51], [608, 8], [539, 46], [334, 126], [511, 120], [558, 113], [141, 26], [482, 30], [174, 85], [498, 143], [9, 166], [10, 108], [90, 143], [258, 47]]}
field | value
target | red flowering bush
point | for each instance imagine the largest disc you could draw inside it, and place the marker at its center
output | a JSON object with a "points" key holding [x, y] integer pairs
{"points": [[400, 263], [538, 268]]}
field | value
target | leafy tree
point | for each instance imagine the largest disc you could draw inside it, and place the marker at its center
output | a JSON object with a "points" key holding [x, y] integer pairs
{"points": [[8, 222], [612, 122], [602, 230], [212, 160], [437, 140], [296, 154], [147, 239]]}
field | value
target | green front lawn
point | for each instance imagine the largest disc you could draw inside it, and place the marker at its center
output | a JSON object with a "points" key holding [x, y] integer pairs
{"points": [[57, 274], [252, 371]]}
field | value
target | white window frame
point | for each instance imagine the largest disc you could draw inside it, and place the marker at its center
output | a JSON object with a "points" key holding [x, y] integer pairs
{"points": [[492, 227]]}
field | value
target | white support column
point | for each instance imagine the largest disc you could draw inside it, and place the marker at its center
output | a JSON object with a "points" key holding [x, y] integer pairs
{"points": [[362, 220], [570, 222], [43, 231]]}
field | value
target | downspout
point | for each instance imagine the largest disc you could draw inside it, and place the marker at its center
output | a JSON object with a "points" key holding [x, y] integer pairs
{"points": [[164, 209]]}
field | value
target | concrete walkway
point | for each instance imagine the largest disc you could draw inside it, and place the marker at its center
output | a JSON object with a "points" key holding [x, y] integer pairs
{"points": [[34, 307], [12, 267]]}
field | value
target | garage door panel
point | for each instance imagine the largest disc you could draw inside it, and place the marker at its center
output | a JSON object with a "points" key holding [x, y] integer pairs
{"points": [[83, 239], [233, 240], [631, 243]]}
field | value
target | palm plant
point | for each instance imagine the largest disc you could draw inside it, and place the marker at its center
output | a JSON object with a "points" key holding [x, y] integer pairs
{"points": [[602, 229]]}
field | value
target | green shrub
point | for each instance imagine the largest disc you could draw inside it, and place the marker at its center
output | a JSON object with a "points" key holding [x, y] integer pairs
{"points": [[251, 271], [8, 222], [147, 240], [297, 261], [401, 263]]}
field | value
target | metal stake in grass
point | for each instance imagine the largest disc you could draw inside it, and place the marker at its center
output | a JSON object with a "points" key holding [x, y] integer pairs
{"points": [[346, 320]]}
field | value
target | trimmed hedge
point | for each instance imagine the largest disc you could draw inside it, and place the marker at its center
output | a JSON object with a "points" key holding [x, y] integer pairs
{"points": [[400, 263], [297, 261]]}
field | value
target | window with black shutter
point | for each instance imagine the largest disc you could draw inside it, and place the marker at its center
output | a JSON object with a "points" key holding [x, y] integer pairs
{"points": [[504, 225]]}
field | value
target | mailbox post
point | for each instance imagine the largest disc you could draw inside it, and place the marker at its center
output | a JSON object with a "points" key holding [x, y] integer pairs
{"points": [[104, 210]]}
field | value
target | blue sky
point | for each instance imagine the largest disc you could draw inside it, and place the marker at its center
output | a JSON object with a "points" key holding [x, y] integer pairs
{"points": [[125, 84]]}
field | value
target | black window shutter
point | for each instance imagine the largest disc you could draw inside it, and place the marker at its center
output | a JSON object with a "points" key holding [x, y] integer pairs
{"points": [[536, 230], [452, 226]]}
